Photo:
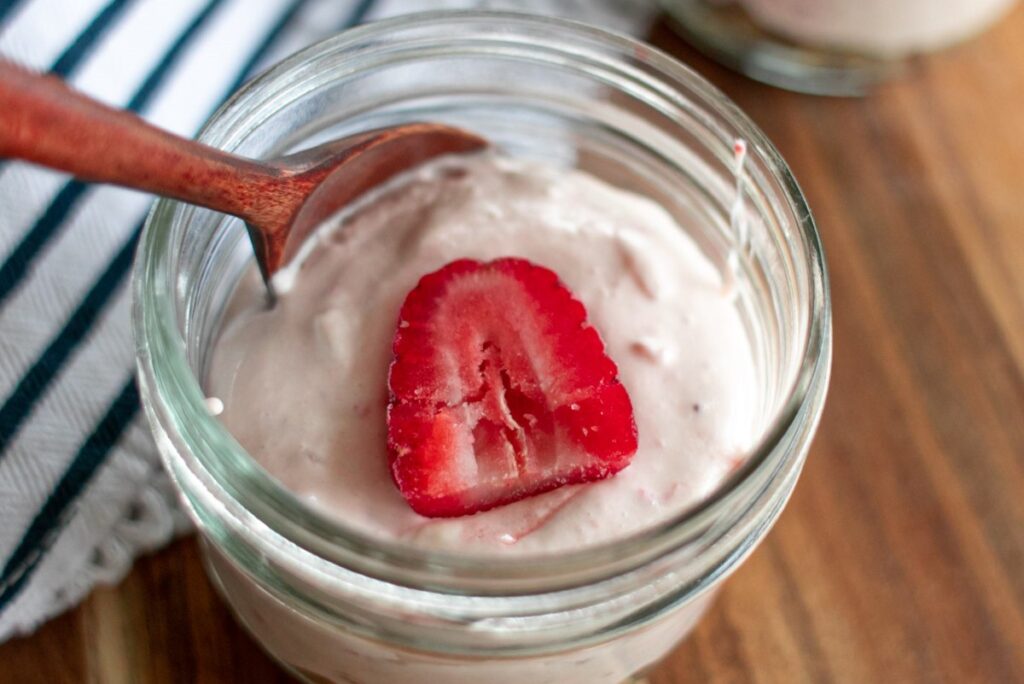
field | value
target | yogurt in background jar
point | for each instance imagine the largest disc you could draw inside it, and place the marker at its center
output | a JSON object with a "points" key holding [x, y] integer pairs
{"points": [[888, 28], [827, 47]]}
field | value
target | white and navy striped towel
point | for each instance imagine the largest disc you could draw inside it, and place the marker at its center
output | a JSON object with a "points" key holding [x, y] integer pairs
{"points": [[81, 490]]}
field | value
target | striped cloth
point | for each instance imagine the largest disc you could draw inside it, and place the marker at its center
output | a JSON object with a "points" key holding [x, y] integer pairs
{"points": [[81, 489]]}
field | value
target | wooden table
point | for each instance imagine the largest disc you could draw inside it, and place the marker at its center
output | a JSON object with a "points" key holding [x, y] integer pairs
{"points": [[901, 555]]}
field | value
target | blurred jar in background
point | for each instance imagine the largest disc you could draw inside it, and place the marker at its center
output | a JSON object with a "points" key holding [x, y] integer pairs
{"points": [[835, 47]]}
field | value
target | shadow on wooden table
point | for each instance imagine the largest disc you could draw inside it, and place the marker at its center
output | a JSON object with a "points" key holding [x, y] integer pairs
{"points": [[164, 623]]}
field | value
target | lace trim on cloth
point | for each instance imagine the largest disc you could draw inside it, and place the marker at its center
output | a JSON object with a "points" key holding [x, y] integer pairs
{"points": [[132, 509]]}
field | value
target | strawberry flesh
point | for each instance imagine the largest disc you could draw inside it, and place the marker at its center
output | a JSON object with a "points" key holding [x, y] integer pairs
{"points": [[500, 390]]}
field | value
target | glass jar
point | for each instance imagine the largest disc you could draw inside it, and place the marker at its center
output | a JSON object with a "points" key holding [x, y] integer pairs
{"points": [[827, 47], [334, 605]]}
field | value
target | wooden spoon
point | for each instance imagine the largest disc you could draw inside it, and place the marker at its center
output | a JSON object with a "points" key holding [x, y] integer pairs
{"points": [[281, 200]]}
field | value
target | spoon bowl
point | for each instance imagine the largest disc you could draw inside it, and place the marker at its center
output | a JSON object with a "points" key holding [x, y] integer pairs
{"points": [[338, 172]]}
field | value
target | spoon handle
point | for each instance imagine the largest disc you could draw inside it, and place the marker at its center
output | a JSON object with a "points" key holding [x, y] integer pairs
{"points": [[44, 121]]}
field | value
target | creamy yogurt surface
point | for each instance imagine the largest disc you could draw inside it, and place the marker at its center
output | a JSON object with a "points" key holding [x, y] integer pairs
{"points": [[304, 384], [883, 27]]}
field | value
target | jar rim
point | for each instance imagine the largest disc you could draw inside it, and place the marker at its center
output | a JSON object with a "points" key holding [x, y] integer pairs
{"points": [[174, 400]]}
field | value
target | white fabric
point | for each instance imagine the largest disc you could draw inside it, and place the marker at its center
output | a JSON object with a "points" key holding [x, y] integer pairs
{"points": [[126, 505]]}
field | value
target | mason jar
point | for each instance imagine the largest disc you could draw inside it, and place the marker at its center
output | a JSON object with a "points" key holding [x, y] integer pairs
{"points": [[828, 47], [333, 604]]}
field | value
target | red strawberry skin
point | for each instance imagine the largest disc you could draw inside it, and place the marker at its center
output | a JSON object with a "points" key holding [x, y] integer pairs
{"points": [[500, 390]]}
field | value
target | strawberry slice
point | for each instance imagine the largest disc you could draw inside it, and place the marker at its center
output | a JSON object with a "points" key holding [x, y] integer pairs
{"points": [[500, 390]]}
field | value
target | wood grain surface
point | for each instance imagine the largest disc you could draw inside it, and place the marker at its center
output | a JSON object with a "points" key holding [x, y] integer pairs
{"points": [[901, 555]]}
